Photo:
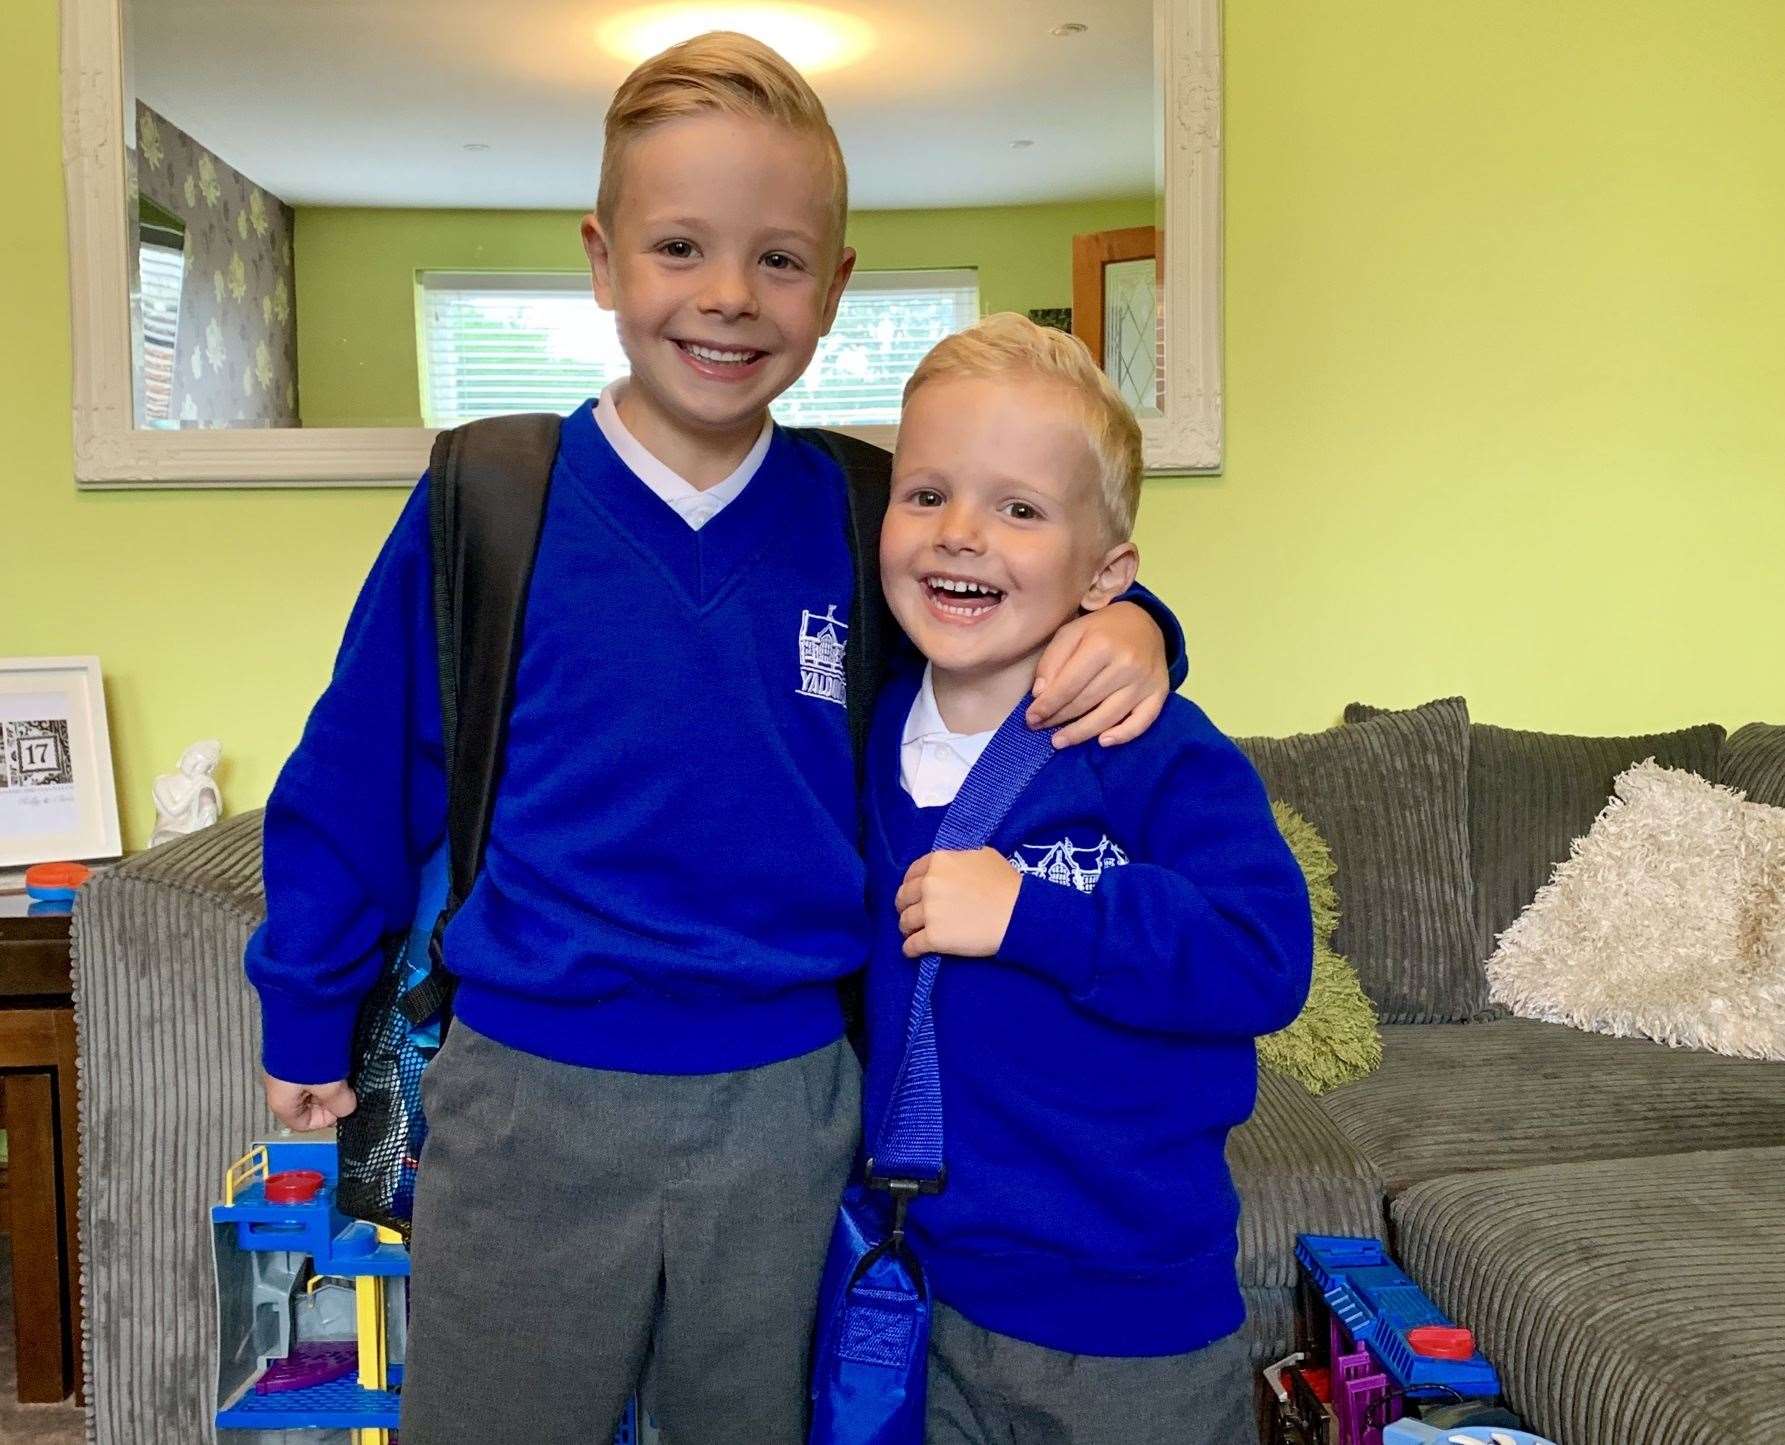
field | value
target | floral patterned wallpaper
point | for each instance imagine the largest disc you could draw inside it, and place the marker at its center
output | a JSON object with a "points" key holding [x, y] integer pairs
{"points": [[235, 358]]}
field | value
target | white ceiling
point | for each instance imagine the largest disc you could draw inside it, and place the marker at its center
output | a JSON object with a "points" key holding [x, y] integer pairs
{"points": [[372, 102]]}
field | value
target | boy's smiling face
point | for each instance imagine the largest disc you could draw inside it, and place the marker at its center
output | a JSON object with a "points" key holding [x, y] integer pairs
{"points": [[722, 270], [995, 536]]}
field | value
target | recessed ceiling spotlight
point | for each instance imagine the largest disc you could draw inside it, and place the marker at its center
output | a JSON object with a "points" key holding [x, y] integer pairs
{"points": [[812, 37], [475, 145], [1071, 27], [1021, 145]]}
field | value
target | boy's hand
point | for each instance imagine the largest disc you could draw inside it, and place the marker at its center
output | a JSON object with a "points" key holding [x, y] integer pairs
{"points": [[302, 1107], [959, 903], [1103, 676]]}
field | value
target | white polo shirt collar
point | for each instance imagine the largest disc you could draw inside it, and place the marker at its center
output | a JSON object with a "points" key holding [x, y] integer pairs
{"points": [[934, 762], [692, 504]]}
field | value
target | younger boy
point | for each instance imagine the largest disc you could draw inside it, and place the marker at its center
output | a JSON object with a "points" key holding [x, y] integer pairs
{"points": [[1108, 962], [641, 1119]]}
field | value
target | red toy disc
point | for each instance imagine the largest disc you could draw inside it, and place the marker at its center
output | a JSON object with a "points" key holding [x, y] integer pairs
{"points": [[293, 1186]]}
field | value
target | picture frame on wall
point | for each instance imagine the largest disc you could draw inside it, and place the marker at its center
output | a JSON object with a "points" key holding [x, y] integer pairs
{"points": [[58, 797]]}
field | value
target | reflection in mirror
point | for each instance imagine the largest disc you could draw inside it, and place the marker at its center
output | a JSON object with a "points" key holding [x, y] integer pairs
{"points": [[399, 247], [156, 283], [214, 339]]}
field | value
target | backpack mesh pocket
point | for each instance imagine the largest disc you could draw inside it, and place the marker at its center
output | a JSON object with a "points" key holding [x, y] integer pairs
{"points": [[380, 1142]]}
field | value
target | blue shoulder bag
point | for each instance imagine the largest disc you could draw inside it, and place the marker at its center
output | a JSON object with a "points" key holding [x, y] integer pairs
{"points": [[869, 1366]]}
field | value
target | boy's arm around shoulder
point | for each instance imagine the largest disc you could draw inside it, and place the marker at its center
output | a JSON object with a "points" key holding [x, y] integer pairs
{"points": [[1206, 931], [357, 808]]}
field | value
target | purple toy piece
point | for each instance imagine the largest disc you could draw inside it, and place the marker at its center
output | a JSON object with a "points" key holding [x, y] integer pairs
{"points": [[311, 1362], [1364, 1401]]}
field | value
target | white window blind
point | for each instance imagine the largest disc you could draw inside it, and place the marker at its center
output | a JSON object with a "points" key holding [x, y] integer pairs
{"points": [[885, 323], [493, 343], [163, 274]]}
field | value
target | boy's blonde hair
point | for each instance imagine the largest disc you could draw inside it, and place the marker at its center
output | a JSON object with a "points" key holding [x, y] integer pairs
{"points": [[719, 71], [1005, 343]]}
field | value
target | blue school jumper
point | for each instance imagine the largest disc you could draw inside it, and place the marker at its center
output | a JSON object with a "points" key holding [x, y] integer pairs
{"points": [[1092, 1070], [672, 882]]}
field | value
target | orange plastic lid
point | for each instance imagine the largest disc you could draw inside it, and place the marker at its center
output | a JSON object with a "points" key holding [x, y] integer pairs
{"points": [[57, 875]]}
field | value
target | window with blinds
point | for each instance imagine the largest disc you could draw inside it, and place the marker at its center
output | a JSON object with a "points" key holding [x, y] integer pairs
{"points": [[161, 258], [493, 343]]}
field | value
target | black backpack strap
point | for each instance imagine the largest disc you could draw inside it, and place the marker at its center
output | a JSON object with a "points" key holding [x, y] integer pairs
{"points": [[867, 472], [487, 482]]}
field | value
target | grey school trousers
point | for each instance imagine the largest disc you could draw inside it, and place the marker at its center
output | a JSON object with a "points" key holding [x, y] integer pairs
{"points": [[987, 1389], [569, 1219]]}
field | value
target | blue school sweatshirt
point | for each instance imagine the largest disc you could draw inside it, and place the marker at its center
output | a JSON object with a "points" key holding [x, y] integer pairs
{"points": [[1091, 1071], [673, 882]]}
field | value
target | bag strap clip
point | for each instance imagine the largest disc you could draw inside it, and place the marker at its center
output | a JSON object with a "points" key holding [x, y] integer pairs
{"points": [[903, 1191]]}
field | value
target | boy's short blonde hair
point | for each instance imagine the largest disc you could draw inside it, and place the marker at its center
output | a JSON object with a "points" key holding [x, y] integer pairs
{"points": [[1005, 343], [719, 71]]}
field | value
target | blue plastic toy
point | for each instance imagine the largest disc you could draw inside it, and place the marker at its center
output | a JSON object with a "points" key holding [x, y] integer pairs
{"points": [[298, 1280], [1379, 1305]]}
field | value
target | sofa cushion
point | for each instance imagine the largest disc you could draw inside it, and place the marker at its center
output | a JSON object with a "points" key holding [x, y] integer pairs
{"points": [[1621, 1300], [1515, 1092], [1753, 759], [1531, 794], [1296, 1172], [1668, 922], [1389, 798], [1335, 1037], [1269, 1331]]}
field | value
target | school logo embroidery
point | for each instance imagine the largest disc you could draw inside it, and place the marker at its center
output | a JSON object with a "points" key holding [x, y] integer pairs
{"points": [[821, 655], [1068, 865]]}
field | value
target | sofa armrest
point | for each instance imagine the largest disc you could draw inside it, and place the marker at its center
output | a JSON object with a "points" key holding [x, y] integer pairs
{"points": [[169, 1041]]}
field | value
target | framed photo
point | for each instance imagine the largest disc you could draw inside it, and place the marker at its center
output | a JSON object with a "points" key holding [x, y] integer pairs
{"points": [[58, 799]]}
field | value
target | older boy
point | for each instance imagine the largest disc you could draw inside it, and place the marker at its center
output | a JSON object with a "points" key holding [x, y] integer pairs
{"points": [[643, 1114], [1138, 922]]}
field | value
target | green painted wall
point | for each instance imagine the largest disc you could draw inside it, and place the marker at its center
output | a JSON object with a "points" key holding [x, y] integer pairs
{"points": [[356, 278], [1505, 389]]}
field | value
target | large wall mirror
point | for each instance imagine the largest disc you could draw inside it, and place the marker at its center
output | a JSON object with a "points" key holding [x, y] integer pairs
{"points": [[303, 237]]}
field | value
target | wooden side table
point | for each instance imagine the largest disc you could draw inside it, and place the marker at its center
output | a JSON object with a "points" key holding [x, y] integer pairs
{"points": [[38, 1104]]}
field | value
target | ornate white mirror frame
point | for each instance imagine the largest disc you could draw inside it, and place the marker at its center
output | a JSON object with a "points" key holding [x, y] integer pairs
{"points": [[110, 451]]}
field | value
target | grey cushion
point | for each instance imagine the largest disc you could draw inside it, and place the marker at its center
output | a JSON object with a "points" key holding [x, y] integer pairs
{"points": [[170, 1096], [1389, 797], [1531, 794], [1753, 760], [1269, 1331], [1517, 1092], [1296, 1172], [1622, 1301]]}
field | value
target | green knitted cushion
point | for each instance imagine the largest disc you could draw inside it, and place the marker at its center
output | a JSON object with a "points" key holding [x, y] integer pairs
{"points": [[1335, 1037]]}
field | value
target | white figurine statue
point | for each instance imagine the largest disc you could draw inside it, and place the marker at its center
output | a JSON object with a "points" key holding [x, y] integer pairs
{"points": [[189, 799]]}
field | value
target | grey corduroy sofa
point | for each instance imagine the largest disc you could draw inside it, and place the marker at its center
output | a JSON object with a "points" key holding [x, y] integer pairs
{"points": [[1606, 1213]]}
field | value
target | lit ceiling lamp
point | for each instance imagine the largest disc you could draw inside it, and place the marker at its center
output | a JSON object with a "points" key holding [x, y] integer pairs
{"points": [[812, 38]]}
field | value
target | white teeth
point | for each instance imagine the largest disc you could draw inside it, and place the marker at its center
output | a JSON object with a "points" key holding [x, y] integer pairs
{"points": [[966, 589], [708, 353]]}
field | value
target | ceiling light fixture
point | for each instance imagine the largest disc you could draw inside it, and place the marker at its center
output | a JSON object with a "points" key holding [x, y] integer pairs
{"points": [[813, 39], [1021, 145], [475, 145], [1070, 28]]}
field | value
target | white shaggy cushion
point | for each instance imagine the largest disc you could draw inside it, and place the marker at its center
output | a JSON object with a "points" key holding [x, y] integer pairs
{"points": [[1667, 920]]}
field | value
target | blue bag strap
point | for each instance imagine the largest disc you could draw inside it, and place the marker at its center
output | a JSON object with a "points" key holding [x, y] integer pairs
{"points": [[907, 1156]]}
